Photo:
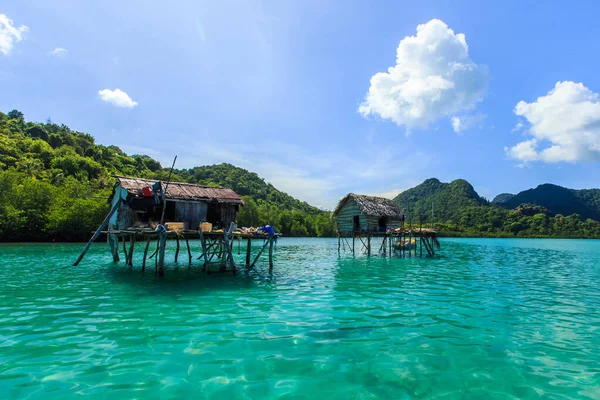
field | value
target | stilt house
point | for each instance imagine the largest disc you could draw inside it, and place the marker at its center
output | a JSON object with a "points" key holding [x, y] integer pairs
{"points": [[359, 213], [187, 204]]}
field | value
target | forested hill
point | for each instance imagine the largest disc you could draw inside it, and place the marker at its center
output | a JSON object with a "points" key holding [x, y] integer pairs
{"points": [[460, 211], [244, 183], [55, 182], [558, 200], [446, 198]]}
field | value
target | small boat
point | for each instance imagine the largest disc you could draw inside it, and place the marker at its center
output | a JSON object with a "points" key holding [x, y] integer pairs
{"points": [[405, 244]]}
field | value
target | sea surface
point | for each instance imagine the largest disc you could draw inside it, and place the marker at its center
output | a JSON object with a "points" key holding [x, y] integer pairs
{"points": [[486, 318]]}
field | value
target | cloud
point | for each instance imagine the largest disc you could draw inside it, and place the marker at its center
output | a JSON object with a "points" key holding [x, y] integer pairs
{"points": [[433, 77], [466, 122], [59, 52], [9, 34], [389, 194], [117, 97], [564, 125]]}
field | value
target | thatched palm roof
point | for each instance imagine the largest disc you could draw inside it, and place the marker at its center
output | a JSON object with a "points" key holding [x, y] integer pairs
{"points": [[371, 206], [182, 190]]}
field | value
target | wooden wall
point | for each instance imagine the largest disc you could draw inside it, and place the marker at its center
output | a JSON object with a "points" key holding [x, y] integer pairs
{"points": [[192, 213], [228, 214], [373, 223], [345, 218]]}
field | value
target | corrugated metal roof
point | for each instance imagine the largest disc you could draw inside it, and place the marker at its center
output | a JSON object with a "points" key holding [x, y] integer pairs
{"points": [[181, 190]]}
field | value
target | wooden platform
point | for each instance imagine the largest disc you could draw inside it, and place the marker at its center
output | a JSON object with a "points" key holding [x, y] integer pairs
{"points": [[216, 247], [392, 241]]}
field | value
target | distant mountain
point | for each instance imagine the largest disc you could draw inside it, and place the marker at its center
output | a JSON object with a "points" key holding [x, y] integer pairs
{"points": [[546, 211], [558, 200], [502, 198], [447, 198]]}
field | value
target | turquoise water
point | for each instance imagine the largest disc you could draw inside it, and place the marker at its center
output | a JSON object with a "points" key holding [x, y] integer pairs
{"points": [[493, 318]]}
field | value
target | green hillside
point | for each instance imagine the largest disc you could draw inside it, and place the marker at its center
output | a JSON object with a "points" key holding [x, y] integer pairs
{"points": [[55, 182], [560, 200], [460, 211]]}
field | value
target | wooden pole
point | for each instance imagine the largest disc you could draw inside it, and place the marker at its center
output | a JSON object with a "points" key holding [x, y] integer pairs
{"points": [[113, 241], [131, 249], [98, 231], [258, 255], [189, 251], [420, 236], [162, 239], [145, 254], [353, 239], [369, 244], [177, 248], [271, 240], [162, 217], [248, 251], [203, 243], [339, 241], [125, 251]]}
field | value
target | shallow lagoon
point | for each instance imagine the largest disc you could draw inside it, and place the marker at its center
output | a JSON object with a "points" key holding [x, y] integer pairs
{"points": [[499, 318]]}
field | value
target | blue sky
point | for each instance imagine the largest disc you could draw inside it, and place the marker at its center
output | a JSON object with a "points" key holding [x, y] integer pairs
{"points": [[301, 92]]}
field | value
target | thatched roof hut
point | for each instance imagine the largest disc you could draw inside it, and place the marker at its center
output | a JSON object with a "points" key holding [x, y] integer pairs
{"points": [[357, 212]]}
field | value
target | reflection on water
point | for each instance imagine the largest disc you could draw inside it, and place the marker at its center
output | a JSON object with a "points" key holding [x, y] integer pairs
{"points": [[501, 318]]}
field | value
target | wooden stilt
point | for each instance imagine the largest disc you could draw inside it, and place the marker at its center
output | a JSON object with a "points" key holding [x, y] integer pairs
{"points": [[187, 243], [339, 241], [353, 238], [131, 249], [145, 254], [420, 236], [249, 250], [177, 248], [259, 253], [369, 244], [203, 243], [113, 241], [125, 251], [97, 233], [271, 240], [162, 239]]}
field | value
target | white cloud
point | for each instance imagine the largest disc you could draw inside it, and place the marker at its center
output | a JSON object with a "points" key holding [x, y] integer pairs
{"points": [[10, 34], [59, 52], [564, 125], [433, 77], [117, 97], [466, 122]]}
